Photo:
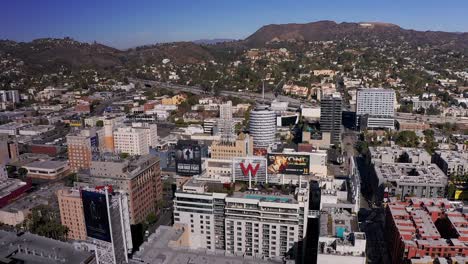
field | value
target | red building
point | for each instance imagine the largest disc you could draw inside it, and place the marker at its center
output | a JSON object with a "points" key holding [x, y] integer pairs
{"points": [[11, 189], [421, 227], [50, 150]]}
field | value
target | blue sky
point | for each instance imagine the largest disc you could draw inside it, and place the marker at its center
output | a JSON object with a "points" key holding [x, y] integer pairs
{"points": [[124, 24]]}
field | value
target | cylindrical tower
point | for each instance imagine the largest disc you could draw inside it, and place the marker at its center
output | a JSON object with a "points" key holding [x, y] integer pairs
{"points": [[262, 126]]}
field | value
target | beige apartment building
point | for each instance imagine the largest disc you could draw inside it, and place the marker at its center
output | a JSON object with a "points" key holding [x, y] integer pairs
{"points": [[71, 213], [242, 147], [139, 177]]}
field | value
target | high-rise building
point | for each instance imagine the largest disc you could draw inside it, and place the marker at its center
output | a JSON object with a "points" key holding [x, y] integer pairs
{"points": [[108, 145], [131, 140], [262, 126], [225, 110], [242, 223], [151, 131], [241, 147], [81, 145], [225, 124], [330, 116], [71, 213], [375, 108], [139, 177]]}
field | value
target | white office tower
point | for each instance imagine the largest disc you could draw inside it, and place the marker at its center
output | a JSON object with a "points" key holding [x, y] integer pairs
{"points": [[131, 140], [225, 124], [225, 110], [262, 126], [107, 224], [375, 108], [151, 131], [257, 223]]}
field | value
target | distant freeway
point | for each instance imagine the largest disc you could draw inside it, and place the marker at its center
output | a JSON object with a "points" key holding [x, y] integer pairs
{"points": [[432, 119], [293, 102]]}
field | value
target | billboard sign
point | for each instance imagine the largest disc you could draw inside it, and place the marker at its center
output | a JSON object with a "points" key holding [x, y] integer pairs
{"points": [[255, 166], [188, 157], [96, 216], [295, 164]]}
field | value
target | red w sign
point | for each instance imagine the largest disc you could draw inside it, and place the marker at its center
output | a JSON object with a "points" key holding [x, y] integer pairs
{"points": [[250, 169]]}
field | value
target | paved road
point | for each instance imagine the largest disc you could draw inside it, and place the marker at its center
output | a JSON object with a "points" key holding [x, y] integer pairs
{"points": [[99, 109], [293, 102], [433, 119], [373, 225]]}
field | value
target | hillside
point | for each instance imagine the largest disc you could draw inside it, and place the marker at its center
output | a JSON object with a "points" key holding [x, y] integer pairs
{"points": [[363, 32], [49, 55]]}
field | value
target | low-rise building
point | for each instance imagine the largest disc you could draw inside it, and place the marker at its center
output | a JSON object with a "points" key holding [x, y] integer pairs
{"points": [[47, 170], [417, 227], [396, 154], [406, 179], [174, 100], [242, 147], [452, 163], [321, 140], [340, 240], [170, 245], [418, 104], [28, 248]]}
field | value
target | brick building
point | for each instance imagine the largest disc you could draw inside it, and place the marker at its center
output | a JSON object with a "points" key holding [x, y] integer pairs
{"points": [[425, 227], [138, 176], [71, 213]]}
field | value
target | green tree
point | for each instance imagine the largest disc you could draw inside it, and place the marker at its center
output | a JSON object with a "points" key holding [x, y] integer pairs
{"points": [[430, 145], [71, 179], [22, 172], [151, 218], [407, 139], [45, 221], [451, 189], [432, 110], [362, 147], [99, 123]]}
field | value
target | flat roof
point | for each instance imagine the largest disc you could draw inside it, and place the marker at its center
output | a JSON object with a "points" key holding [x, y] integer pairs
{"points": [[158, 251], [45, 250], [425, 175], [47, 164]]}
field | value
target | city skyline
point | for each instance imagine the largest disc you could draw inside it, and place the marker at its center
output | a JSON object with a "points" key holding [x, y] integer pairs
{"points": [[124, 25]]}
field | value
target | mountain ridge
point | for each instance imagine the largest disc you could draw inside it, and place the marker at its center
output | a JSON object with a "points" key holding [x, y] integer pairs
{"points": [[50, 53]]}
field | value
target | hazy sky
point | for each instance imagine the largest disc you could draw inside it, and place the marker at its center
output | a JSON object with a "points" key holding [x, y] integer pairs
{"points": [[124, 24]]}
